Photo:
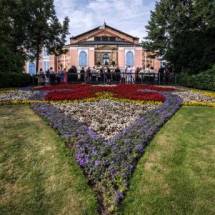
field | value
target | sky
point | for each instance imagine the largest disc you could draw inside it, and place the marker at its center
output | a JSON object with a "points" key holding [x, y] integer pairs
{"points": [[130, 16]]}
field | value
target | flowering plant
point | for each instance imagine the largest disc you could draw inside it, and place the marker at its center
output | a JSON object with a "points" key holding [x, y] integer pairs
{"points": [[109, 163], [196, 103], [20, 102], [81, 86], [131, 92]]}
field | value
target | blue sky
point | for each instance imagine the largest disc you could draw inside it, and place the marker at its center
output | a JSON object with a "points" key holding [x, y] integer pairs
{"points": [[130, 16]]}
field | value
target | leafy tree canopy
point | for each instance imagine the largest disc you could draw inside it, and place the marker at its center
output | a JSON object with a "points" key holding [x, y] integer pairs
{"points": [[26, 27], [183, 32]]}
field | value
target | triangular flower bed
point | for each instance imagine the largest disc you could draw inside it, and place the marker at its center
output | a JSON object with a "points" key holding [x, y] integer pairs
{"points": [[108, 164]]}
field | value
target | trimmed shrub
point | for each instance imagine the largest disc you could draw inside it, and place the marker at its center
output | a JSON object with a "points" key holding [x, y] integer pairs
{"points": [[15, 80], [204, 80]]}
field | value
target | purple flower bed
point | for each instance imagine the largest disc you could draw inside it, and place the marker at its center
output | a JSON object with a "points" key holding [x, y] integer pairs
{"points": [[109, 164]]}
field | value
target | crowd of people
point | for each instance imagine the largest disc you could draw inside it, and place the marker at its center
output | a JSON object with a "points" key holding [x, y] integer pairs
{"points": [[101, 74]]}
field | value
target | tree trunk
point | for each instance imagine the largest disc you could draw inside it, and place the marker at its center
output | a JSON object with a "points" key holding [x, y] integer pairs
{"points": [[38, 55], [37, 61]]}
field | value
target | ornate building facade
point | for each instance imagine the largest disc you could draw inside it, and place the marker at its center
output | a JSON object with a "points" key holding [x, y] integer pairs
{"points": [[103, 45]]}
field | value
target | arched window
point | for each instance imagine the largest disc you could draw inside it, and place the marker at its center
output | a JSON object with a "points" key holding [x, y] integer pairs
{"points": [[45, 66], [83, 58], [32, 68], [129, 58], [45, 52]]}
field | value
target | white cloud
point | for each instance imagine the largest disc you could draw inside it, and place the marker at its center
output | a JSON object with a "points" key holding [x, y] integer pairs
{"points": [[130, 16]]}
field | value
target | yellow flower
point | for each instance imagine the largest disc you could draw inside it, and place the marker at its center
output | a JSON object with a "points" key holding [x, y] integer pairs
{"points": [[19, 102], [195, 103], [205, 92]]}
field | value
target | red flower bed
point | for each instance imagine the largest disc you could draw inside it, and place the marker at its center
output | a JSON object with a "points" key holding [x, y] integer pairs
{"points": [[81, 86], [76, 94], [83, 91]]}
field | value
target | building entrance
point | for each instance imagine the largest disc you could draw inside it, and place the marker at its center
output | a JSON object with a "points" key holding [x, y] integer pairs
{"points": [[106, 55]]}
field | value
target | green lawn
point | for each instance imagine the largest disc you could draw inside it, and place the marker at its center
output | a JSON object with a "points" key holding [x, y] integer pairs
{"points": [[37, 174], [177, 173], [175, 176]]}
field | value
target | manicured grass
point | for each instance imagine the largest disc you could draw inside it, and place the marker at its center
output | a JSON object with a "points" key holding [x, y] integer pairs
{"points": [[37, 173], [176, 175]]}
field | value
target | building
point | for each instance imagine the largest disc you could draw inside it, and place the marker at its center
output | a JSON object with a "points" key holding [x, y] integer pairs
{"points": [[103, 45]]}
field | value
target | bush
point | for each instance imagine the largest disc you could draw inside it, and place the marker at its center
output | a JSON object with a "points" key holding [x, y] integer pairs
{"points": [[10, 61], [204, 80], [15, 80]]}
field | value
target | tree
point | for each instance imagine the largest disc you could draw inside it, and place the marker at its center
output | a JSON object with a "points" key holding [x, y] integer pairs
{"points": [[12, 35], [183, 33], [26, 27], [45, 30]]}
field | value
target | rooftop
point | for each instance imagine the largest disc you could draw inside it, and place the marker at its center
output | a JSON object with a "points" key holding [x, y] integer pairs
{"points": [[103, 27]]}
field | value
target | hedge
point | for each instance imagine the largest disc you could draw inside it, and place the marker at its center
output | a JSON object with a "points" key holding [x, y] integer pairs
{"points": [[15, 80], [204, 80]]}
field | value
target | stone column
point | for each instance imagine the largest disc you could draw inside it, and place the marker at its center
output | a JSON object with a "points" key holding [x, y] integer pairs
{"points": [[91, 57], [138, 57], [74, 56]]}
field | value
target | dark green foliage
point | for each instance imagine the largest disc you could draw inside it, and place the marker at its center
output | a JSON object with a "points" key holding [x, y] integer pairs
{"points": [[11, 62], [183, 32], [14, 79], [204, 80], [44, 30], [12, 35], [27, 26]]}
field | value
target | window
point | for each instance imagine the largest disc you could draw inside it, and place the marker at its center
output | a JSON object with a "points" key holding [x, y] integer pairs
{"points": [[129, 58], [104, 38], [32, 68], [45, 66], [97, 38], [45, 52], [83, 58], [112, 38]]}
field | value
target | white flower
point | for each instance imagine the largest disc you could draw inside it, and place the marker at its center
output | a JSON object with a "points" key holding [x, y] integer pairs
{"points": [[106, 117]]}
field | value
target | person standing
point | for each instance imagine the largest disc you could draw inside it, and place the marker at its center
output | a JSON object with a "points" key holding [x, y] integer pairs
{"points": [[75, 73], [108, 75], [129, 74], [82, 74], [61, 75], [41, 78], [93, 74], [51, 70], [65, 80], [118, 74], [137, 78], [47, 76], [52, 76], [88, 75]]}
